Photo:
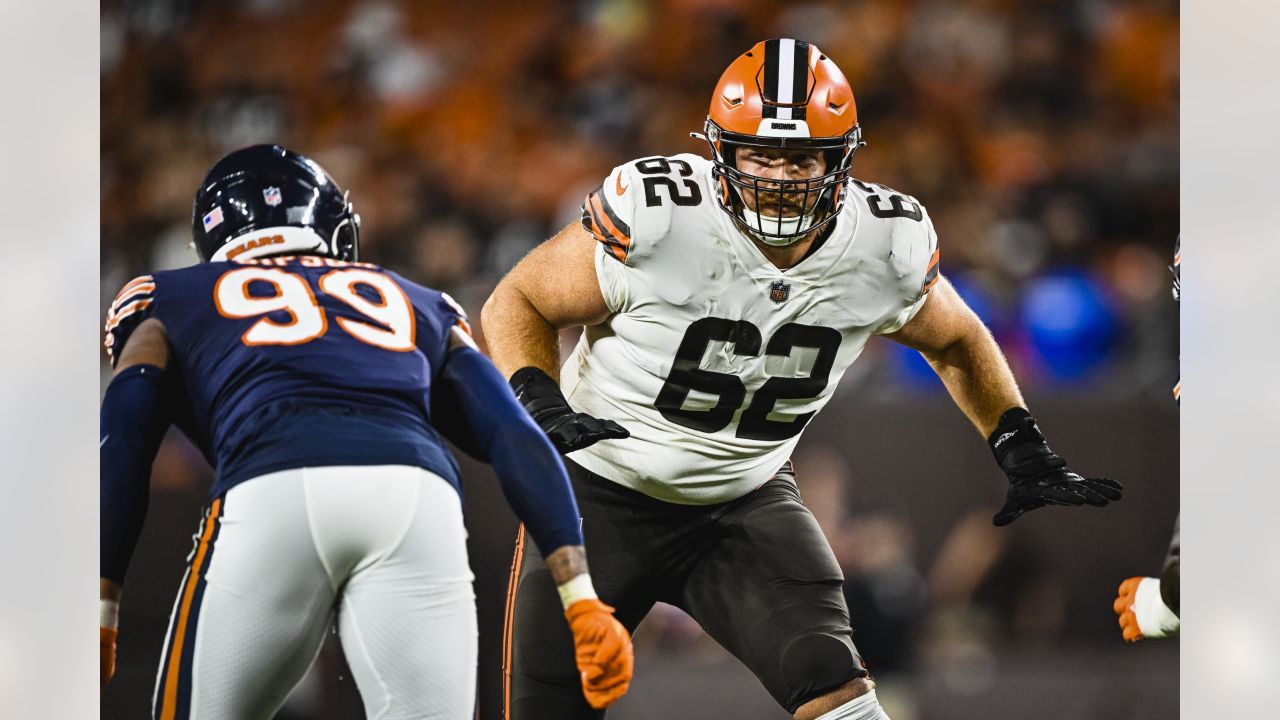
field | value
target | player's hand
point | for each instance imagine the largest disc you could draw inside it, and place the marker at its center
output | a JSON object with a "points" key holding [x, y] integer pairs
{"points": [[1037, 476], [602, 650], [1142, 611], [106, 655], [567, 430], [571, 431]]}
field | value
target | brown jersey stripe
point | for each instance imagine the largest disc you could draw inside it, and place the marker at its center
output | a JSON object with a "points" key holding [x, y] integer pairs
{"points": [[605, 217], [623, 228], [596, 222], [932, 275]]}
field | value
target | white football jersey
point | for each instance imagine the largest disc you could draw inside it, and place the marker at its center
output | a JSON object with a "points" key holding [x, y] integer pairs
{"points": [[714, 358]]}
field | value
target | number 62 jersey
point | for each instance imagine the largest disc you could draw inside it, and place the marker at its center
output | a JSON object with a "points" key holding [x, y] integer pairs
{"points": [[714, 358]]}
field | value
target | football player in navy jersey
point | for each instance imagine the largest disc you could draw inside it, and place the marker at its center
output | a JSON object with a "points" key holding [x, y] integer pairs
{"points": [[319, 388]]}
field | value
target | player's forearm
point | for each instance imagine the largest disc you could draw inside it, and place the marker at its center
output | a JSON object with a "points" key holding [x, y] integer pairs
{"points": [[978, 377], [517, 334], [532, 474], [566, 563], [108, 590], [133, 422]]}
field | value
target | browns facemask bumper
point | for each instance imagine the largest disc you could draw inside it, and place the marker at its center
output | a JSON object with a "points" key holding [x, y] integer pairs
{"points": [[782, 94]]}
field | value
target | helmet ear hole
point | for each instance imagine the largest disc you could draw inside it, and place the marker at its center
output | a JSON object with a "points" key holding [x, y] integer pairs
{"points": [[345, 244]]}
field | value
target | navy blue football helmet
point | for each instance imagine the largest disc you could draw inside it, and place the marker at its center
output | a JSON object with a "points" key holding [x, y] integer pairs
{"points": [[268, 200]]}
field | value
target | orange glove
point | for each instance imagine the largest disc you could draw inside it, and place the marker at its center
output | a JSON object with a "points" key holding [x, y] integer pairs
{"points": [[602, 650], [107, 654], [1142, 612]]}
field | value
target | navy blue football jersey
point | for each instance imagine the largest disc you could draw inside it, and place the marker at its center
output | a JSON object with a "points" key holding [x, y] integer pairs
{"points": [[289, 362]]}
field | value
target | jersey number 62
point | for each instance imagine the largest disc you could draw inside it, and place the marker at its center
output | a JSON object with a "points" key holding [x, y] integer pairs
{"points": [[687, 375]]}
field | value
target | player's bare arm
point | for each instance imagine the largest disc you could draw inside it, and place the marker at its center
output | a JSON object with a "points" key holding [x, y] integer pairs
{"points": [[970, 364], [965, 356], [553, 287]]}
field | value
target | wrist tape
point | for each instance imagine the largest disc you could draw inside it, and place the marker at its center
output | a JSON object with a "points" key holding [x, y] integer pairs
{"points": [[578, 587]]}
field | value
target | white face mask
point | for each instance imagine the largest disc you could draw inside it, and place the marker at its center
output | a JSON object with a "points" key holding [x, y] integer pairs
{"points": [[793, 229]]}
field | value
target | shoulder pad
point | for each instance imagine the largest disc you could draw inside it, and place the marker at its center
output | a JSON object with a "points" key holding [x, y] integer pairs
{"points": [[913, 245], [631, 210], [131, 306], [431, 303]]}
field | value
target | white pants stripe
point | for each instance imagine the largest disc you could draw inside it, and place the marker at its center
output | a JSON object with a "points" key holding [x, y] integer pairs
{"points": [[382, 549]]}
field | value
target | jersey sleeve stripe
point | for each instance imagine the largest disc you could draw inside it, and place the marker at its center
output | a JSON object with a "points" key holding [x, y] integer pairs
{"points": [[607, 235], [115, 318], [124, 297], [134, 283], [623, 229], [932, 276], [605, 219]]}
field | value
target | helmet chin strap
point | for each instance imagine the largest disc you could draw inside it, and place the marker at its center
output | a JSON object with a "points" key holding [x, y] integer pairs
{"points": [[792, 230]]}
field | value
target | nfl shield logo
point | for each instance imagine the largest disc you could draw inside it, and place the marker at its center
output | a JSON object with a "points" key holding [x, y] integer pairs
{"points": [[779, 291], [272, 196]]}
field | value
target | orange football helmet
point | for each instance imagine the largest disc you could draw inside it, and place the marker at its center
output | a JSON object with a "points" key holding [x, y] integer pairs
{"points": [[783, 94]]}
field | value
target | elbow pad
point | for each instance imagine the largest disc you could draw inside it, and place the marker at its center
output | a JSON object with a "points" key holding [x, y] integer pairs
{"points": [[133, 421]]}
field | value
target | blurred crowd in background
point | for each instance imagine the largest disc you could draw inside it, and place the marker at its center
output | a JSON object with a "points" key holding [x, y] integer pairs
{"points": [[1042, 136]]}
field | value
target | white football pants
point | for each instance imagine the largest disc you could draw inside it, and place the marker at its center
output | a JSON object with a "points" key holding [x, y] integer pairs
{"points": [[278, 557]]}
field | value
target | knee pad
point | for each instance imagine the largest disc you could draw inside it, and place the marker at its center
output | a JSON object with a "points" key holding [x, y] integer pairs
{"points": [[815, 663]]}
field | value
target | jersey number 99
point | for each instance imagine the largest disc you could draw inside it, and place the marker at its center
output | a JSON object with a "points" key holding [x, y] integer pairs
{"points": [[307, 319]]}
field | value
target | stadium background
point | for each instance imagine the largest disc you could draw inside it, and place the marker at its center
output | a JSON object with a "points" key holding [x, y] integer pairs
{"points": [[1043, 137]]}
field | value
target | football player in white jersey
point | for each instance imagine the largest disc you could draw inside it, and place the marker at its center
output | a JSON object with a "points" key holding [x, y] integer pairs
{"points": [[722, 300]]}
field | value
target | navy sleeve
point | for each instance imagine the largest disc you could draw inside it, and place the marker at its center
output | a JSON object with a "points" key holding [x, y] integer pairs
{"points": [[488, 418], [134, 418], [134, 303]]}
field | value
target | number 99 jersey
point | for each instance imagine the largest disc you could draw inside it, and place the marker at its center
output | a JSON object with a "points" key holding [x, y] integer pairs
{"points": [[287, 362], [714, 358]]}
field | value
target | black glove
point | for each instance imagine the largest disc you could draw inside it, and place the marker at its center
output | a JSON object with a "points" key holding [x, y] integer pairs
{"points": [[568, 430], [1037, 476]]}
